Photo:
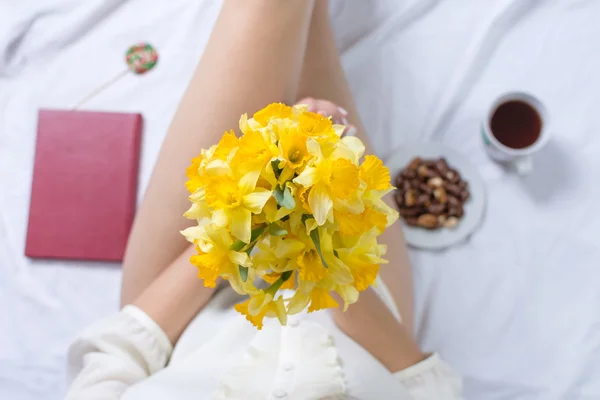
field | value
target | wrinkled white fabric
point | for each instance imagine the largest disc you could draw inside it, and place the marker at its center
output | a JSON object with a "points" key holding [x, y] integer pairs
{"points": [[515, 308], [116, 353], [225, 358]]}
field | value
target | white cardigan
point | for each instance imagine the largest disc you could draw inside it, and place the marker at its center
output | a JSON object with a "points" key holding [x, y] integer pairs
{"points": [[221, 356]]}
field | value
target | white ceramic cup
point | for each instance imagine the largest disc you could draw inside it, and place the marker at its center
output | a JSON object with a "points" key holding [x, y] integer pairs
{"points": [[519, 159]]}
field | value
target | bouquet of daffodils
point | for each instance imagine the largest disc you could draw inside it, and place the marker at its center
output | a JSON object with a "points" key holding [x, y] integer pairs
{"points": [[288, 203]]}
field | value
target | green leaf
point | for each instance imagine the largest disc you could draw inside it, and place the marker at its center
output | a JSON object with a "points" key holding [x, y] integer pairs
{"points": [[237, 245], [288, 199], [243, 273], [276, 230], [278, 194], [335, 253], [284, 197], [314, 235], [276, 169]]}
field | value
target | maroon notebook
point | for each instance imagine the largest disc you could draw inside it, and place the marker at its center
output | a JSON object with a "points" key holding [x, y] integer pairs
{"points": [[84, 185]]}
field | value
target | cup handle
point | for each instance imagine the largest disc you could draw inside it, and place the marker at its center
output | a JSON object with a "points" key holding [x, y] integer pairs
{"points": [[523, 165]]}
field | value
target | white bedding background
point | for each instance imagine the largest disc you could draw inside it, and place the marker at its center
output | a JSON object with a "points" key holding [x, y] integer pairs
{"points": [[516, 309]]}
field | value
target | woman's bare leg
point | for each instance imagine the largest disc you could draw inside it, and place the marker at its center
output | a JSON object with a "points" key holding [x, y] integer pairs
{"points": [[323, 77], [254, 57]]}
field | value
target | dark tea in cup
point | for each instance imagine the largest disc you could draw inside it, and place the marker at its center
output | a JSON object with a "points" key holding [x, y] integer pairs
{"points": [[516, 124], [515, 127]]}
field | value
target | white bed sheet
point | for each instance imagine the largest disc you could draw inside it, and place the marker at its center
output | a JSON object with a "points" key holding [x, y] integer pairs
{"points": [[515, 309]]}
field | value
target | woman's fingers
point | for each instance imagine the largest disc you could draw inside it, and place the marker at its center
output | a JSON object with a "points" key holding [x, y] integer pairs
{"points": [[329, 109]]}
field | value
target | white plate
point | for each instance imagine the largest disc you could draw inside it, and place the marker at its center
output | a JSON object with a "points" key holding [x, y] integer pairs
{"points": [[474, 207]]}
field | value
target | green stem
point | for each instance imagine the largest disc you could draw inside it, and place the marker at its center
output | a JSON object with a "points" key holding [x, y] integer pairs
{"points": [[275, 286]]}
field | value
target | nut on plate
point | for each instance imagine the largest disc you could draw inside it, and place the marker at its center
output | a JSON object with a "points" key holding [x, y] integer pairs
{"points": [[451, 222], [436, 209], [428, 221], [423, 171], [414, 163], [431, 194], [410, 198], [435, 182], [440, 195]]}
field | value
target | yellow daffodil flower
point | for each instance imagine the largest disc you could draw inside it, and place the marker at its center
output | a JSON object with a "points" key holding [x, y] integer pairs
{"points": [[363, 255], [292, 144], [262, 305], [272, 111], [329, 179], [288, 203], [254, 152], [215, 257], [234, 202]]}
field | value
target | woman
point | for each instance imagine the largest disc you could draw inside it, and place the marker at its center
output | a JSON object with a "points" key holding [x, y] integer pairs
{"points": [[260, 51]]}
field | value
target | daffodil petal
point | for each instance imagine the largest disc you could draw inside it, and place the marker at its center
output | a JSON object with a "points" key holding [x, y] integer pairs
{"points": [[219, 236], [311, 225], [278, 307], [193, 233], [218, 167], [338, 129], [349, 294], [220, 218], [248, 182], [258, 302], [288, 248], [320, 299], [244, 127], [240, 223], [354, 144], [314, 148], [197, 211], [255, 201], [320, 203], [298, 302], [338, 271], [282, 212], [343, 151], [375, 174], [240, 258], [306, 177], [198, 195]]}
